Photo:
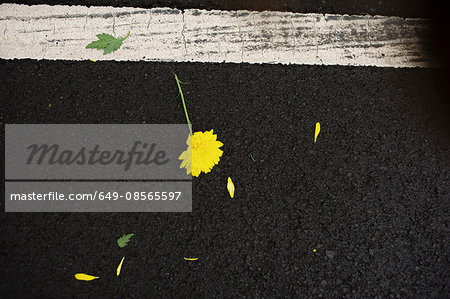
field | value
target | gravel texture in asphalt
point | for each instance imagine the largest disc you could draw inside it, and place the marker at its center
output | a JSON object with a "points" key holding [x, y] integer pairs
{"points": [[363, 212]]}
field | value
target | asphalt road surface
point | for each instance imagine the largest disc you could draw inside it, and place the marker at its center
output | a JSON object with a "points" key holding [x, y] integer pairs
{"points": [[363, 212]]}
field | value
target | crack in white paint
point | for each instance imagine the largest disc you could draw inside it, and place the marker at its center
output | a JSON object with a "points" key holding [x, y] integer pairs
{"points": [[241, 36], [85, 22], [182, 34], [316, 41], [294, 38], [114, 24], [149, 20]]}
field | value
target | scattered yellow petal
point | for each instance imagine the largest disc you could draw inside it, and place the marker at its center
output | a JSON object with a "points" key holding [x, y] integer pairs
{"points": [[191, 258], [314, 250], [230, 187], [93, 60], [120, 266], [87, 277], [317, 131]]}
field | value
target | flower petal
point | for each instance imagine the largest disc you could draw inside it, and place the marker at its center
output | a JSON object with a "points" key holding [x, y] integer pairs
{"points": [[120, 266], [317, 131], [186, 156], [230, 187], [87, 277], [191, 258]]}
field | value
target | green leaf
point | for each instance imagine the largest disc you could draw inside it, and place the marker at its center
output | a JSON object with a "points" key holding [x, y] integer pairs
{"points": [[123, 241], [112, 46], [107, 43], [105, 36]]}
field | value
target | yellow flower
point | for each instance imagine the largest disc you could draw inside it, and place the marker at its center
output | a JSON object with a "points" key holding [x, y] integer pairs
{"points": [[202, 153]]}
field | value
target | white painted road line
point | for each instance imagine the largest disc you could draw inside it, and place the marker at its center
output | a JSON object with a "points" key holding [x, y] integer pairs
{"points": [[163, 34]]}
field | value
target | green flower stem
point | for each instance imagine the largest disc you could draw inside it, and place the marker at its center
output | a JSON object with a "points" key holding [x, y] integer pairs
{"points": [[184, 104], [124, 38]]}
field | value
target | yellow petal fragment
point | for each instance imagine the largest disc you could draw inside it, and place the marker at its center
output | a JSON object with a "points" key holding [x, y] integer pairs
{"points": [[93, 60], [120, 266], [317, 131], [87, 277], [191, 258], [314, 250], [230, 187]]}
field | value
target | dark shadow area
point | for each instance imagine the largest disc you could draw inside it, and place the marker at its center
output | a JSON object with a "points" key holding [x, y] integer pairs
{"points": [[439, 49]]}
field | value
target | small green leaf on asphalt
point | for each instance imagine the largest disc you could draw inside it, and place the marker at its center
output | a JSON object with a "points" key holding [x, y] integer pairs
{"points": [[107, 42], [123, 241]]}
